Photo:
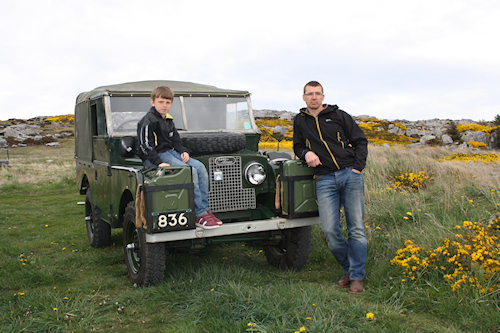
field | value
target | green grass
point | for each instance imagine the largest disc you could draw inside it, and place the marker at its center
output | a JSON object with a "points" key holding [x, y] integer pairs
{"points": [[67, 286]]}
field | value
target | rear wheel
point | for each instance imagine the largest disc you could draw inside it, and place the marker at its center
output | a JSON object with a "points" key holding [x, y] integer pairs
{"points": [[98, 231], [145, 261], [292, 252]]}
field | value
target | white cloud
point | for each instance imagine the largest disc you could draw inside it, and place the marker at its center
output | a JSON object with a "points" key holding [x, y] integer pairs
{"points": [[390, 59]]}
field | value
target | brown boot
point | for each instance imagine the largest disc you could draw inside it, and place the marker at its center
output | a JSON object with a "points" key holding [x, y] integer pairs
{"points": [[356, 287], [344, 282]]}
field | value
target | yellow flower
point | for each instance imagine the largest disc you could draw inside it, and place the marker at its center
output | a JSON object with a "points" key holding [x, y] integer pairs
{"points": [[55, 309], [370, 315], [302, 329]]}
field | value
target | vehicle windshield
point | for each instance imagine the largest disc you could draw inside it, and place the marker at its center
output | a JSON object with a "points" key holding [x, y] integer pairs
{"points": [[217, 113], [127, 111], [202, 113]]}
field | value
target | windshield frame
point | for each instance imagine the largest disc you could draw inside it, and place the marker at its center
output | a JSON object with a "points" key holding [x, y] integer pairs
{"points": [[182, 123]]}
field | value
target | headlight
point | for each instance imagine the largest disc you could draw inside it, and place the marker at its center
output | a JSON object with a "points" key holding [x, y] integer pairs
{"points": [[255, 173]]}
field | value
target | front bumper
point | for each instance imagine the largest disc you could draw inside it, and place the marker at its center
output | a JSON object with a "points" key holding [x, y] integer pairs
{"points": [[234, 228]]}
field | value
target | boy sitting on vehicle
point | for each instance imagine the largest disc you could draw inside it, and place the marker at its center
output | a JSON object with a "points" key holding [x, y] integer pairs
{"points": [[159, 146]]}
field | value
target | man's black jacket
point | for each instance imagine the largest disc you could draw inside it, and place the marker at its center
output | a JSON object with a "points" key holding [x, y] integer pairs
{"points": [[334, 136]]}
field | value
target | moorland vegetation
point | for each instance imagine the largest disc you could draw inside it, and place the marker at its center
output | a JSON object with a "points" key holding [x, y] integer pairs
{"points": [[432, 222]]}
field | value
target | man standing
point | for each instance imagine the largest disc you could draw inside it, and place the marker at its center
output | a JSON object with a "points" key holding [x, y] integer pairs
{"points": [[331, 142]]}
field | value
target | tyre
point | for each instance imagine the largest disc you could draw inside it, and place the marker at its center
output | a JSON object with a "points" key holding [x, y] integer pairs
{"points": [[145, 261], [214, 143], [98, 231], [293, 250]]}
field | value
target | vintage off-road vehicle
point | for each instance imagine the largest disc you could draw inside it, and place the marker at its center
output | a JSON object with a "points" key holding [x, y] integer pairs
{"points": [[264, 199]]}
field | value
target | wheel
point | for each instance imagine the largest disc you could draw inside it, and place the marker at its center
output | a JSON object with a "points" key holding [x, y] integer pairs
{"points": [[293, 250], [98, 231], [145, 261], [213, 143]]}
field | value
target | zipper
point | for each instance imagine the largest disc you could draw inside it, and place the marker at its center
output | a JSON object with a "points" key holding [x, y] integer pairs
{"points": [[339, 139], [324, 142]]}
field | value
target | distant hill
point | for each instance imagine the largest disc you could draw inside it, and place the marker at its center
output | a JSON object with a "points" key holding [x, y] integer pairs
{"points": [[278, 126]]}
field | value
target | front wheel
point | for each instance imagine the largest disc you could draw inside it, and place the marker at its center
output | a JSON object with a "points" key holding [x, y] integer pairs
{"points": [[98, 231], [292, 252], [145, 261]]}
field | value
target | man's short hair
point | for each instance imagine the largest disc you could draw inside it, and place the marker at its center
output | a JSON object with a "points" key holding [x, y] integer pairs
{"points": [[313, 84], [162, 92]]}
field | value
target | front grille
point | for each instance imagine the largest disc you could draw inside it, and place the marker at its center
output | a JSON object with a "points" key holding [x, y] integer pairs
{"points": [[226, 192]]}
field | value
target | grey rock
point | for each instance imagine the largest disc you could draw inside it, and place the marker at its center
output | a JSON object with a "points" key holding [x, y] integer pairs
{"points": [[395, 129], [10, 132], [53, 144], [425, 138], [474, 136], [446, 139]]}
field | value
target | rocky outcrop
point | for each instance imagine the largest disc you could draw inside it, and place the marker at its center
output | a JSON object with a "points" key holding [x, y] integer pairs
{"points": [[15, 133], [431, 131], [274, 114]]}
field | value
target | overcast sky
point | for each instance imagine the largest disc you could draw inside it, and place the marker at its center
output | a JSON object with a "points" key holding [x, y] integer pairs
{"points": [[389, 59]]}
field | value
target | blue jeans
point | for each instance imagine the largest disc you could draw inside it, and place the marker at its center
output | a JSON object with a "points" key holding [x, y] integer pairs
{"points": [[333, 190], [200, 178]]}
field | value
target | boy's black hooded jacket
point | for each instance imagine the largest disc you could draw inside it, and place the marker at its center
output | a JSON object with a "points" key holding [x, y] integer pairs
{"points": [[334, 136], [156, 134]]}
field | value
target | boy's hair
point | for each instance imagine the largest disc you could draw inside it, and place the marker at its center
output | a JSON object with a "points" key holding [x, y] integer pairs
{"points": [[313, 84], [162, 92]]}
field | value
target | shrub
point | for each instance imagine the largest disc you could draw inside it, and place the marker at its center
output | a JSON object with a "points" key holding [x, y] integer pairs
{"points": [[475, 128], [410, 181], [471, 259], [453, 132], [476, 144], [69, 118], [434, 142], [488, 158]]}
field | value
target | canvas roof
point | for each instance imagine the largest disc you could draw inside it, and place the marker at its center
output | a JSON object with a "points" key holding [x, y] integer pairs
{"points": [[144, 88]]}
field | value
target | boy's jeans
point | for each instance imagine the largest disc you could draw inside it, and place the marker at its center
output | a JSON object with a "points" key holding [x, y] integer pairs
{"points": [[333, 190], [200, 178]]}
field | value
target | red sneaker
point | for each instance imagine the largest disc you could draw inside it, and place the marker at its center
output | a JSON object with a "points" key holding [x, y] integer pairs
{"points": [[206, 221], [219, 222]]}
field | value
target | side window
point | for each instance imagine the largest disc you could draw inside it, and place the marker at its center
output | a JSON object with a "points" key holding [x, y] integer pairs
{"points": [[98, 119]]}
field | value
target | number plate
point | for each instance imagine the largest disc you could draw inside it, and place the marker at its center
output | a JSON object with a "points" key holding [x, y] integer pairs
{"points": [[165, 221]]}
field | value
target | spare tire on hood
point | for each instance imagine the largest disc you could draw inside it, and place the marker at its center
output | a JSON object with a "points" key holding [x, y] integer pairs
{"points": [[213, 143]]}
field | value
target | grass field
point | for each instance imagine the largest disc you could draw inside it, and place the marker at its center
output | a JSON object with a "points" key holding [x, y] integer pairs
{"points": [[53, 281]]}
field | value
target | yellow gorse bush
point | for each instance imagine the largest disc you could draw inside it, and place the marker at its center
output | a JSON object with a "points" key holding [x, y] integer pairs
{"points": [[411, 181], [488, 158], [470, 260], [274, 145], [475, 128], [69, 118], [476, 144]]}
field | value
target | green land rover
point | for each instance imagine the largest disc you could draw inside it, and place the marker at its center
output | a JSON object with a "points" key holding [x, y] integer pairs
{"points": [[264, 199]]}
